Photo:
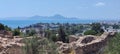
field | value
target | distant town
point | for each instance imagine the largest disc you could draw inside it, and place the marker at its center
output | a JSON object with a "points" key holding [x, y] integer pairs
{"points": [[78, 29]]}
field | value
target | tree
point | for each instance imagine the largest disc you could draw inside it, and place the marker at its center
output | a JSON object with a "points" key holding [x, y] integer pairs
{"points": [[2, 27], [48, 33], [32, 32], [16, 32], [7, 28], [97, 27], [115, 26], [62, 34], [90, 32], [53, 37], [18, 27]]}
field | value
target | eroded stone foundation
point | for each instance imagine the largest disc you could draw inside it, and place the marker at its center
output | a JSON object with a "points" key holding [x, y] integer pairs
{"points": [[88, 44]]}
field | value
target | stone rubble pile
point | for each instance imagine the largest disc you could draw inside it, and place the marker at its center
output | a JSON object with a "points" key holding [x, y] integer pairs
{"points": [[7, 41]]}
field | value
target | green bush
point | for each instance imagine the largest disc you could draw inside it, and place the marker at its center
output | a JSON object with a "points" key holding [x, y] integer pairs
{"points": [[2, 27], [16, 32], [90, 32], [113, 46], [7, 28], [97, 27], [54, 38], [31, 32], [39, 46]]}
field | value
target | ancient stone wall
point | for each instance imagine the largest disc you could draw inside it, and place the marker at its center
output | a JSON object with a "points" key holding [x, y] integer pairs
{"points": [[85, 44]]}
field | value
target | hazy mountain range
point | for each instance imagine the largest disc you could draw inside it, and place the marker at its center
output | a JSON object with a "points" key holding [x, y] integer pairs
{"points": [[37, 17], [54, 17], [24, 21]]}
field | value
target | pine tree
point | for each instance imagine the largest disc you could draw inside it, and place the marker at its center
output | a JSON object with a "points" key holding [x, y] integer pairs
{"points": [[62, 35]]}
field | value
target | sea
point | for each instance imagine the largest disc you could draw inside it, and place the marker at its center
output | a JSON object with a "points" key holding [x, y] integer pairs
{"points": [[23, 23]]}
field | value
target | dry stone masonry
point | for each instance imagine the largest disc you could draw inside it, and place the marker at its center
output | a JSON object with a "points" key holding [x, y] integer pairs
{"points": [[88, 44]]}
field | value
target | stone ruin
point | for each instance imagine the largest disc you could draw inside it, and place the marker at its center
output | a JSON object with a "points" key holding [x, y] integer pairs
{"points": [[10, 44], [88, 44], [6, 34]]}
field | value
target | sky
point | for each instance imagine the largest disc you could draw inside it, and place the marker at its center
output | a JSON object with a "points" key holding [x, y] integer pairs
{"points": [[96, 9]]}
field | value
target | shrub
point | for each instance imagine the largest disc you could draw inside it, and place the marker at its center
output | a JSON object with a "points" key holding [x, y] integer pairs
{"points": [[54, 38], [30, 32], [7, 28], [39, 46], [97, 27], [16, 32], [90, 32], [113, 46], [2, 27]]}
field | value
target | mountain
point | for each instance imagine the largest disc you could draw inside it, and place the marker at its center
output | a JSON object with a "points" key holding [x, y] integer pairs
{"points": [[54, 17], [57, 16], [14, 22], [37, 17]]}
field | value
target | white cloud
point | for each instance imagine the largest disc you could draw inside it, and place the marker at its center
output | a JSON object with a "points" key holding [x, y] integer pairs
{"points": [[100, 4]]}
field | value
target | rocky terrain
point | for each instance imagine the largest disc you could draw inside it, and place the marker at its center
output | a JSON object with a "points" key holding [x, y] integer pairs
{"points": [[10, 44], [88, 44]]}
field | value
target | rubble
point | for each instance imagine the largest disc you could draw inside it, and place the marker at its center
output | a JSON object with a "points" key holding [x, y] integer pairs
{"points": [[11, 46], [88, 44], [6, 34]]}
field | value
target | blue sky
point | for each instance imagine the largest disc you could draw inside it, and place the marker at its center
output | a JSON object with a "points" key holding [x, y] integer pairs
{"points": [[108, 9]]}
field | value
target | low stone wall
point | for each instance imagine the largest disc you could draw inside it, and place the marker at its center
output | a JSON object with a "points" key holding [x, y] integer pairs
{"points": [[85, 44]]}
